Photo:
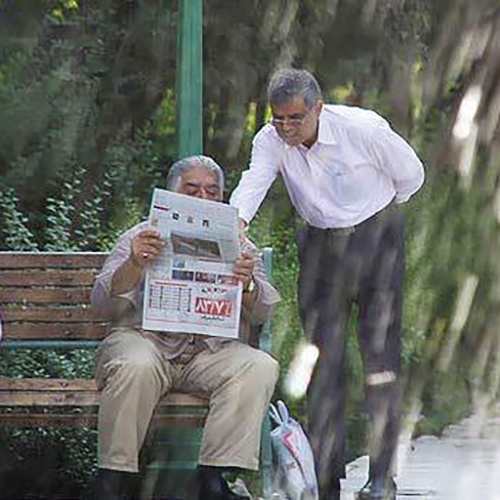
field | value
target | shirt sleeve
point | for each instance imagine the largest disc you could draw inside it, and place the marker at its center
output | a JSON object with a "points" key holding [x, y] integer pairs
{"points": [[265, 296], [104, 303], [395, 157], [256, 181]]}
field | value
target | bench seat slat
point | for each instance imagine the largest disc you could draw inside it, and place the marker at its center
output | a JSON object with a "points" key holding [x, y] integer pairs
{"points": [[25, 260], [72, 392], [49, 398], [52, 277], [47, 384], [78, 384], [90, 420], [83, 399], [68, 314], [48, 420], [34, 295], [47, 331]]}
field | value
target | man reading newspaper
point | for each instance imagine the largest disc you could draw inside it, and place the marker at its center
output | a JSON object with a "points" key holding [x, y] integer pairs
{"points": [[191, 288], [135, 368]]}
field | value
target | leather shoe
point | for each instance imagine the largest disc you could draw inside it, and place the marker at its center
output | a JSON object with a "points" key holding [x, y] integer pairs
{"points": [[378, 489], [330, 491], [110, 484], [214, 487]]}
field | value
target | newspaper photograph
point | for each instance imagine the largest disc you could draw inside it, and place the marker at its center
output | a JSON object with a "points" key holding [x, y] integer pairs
{"points": [[191, 287]]}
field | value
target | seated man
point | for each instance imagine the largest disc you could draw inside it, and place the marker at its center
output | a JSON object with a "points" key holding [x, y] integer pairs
{"points": [[136, 368]]}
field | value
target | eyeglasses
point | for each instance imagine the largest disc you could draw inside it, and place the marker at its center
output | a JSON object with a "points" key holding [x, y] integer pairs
{"points": [[293, 122]]}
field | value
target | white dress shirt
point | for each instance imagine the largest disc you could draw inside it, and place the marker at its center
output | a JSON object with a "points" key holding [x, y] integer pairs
{"points": [[355, 168]]}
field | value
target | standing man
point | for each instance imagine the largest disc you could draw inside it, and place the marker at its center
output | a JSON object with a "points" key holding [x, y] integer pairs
{"points": [[346, 171], [135, 368]]}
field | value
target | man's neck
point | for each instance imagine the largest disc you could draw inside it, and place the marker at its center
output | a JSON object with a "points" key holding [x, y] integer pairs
{"points": [[308, 143]]}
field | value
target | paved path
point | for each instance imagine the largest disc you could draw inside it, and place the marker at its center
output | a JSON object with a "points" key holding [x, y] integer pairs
{"points": [[462, 464]]}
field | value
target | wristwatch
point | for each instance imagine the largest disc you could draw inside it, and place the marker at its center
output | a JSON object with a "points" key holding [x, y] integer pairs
{"points": [[250, 287]]}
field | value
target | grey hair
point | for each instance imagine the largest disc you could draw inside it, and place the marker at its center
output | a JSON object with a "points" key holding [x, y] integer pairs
{"points": [[288, 83], [180, 167]]}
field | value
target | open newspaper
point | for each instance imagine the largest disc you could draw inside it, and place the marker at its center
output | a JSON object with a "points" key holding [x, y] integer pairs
{"points": [[191, 287]]}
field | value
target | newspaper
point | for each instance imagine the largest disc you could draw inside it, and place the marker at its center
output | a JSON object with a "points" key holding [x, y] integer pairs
{"points": [[191, 287]]}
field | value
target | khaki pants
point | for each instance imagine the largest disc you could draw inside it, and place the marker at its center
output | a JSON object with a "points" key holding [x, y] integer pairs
{"points": [[133, 375]]}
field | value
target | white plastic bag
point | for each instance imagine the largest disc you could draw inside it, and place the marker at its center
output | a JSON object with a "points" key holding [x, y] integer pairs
{"points": [[293, 462]]}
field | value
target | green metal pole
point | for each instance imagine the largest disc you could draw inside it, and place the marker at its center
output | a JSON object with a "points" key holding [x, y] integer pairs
{"points": [[189, 78], [265, 343], [175, 452]]}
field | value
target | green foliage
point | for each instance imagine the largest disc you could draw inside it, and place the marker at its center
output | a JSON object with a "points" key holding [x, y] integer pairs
{"points": [[60, 216], [445, 400], [47, 364], [14, 224], [46, 463], [74, 221]]}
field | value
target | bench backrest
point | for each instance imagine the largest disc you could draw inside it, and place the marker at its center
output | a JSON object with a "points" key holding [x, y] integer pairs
{"points": [[45, 299], [46, 296]]}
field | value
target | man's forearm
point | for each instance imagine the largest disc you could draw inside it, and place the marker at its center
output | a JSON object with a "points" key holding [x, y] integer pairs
{"points": [[126, 277]]}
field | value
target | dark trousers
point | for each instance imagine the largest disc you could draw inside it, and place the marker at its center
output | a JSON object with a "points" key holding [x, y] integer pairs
{"points": [[337, 270]]}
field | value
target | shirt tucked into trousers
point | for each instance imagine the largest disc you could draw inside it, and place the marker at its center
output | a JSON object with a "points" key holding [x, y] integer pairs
{"points": [[345, 187]]}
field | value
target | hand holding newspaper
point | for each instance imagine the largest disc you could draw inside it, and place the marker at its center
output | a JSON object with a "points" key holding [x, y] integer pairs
{"points": [[191, 288]]}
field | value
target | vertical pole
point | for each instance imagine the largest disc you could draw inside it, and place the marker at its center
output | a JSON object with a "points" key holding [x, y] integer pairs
{"points": [[265, 344], [172, 472], [189, 78]]}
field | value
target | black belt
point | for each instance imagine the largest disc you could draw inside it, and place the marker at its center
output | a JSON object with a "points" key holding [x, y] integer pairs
{"points": [[346, 231]]}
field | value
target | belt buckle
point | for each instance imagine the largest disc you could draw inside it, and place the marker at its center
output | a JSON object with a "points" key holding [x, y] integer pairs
{"points": [[344, 231]]}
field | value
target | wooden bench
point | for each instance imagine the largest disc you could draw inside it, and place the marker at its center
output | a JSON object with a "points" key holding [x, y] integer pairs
{"points": [[45, 300]]}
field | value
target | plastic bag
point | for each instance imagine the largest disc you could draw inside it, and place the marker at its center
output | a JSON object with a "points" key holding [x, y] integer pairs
{"points": [[293, 463]]}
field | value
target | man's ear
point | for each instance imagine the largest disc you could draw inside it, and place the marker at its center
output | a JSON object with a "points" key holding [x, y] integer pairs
{"points": [[318, 107]]}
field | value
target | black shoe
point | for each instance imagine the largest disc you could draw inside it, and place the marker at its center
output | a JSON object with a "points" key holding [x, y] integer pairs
{"points": [[213, 486], [378, 489], [113, 485], [332, 491]]}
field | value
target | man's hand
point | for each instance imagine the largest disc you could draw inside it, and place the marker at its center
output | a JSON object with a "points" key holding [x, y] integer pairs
{"points": [[146, 247], [243, 268]]}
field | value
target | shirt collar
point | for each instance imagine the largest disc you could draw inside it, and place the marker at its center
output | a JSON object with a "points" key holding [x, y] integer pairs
{"points": [[325, 132]]}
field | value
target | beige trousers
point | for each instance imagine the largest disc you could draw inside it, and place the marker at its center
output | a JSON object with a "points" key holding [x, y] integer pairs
{"points": [[133, 374]]}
